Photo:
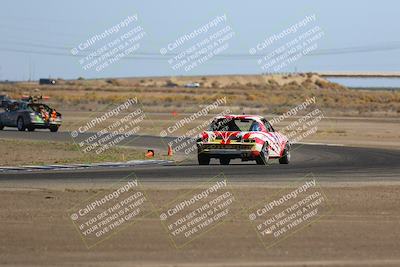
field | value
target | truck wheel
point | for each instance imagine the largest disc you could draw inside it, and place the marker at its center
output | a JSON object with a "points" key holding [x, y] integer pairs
{"points": [[263, 158], [53, 129], [285, 159], [203, 159], [20, 124], [224, 161]]}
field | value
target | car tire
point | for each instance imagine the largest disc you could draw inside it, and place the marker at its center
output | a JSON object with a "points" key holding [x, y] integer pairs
{"points": [[285, 159], [53, 129], [263, 158], [1, 126], [224, 161], [203, 159], [20, 124], [31, 129]]}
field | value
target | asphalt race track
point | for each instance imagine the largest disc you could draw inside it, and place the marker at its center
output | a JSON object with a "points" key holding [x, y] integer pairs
{"points": [[327, 163]]}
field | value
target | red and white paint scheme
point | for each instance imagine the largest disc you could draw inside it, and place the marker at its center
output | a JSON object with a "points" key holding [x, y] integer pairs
{"points": [[247, 137]]}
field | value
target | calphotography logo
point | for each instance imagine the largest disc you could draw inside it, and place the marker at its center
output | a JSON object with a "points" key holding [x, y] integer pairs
{"points": [[300, 122], [281, 35], [198, 211], [194, 49], [105, 214], [114, 127], [184, 133], [110, 46], [289, 211], [304, 41]]}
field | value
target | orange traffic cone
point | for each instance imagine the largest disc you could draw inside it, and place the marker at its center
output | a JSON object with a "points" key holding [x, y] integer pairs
{"points": [[149, 154], [170, 152]]}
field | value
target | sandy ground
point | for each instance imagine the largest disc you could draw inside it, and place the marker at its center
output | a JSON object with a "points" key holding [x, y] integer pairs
{"points": [[33, 152], [361, 229]]}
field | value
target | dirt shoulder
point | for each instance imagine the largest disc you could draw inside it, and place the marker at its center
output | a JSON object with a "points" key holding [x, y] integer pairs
{"points": [[31, 152], [36, 230]]}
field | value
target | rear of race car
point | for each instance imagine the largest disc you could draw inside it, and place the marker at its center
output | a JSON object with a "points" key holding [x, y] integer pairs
{"points": [[45, 120], [245, 137], [229, 145]]}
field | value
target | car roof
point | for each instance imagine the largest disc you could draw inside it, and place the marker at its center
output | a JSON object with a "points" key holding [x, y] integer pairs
{"points": [[36, 103], [241, 117]]}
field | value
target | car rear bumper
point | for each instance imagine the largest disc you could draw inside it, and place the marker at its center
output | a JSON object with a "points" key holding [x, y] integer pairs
{"points": [[43, 125], [239, 150]]}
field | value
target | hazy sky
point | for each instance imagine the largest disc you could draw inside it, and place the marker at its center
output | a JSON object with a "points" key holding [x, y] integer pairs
{"points": [[36, 37]]}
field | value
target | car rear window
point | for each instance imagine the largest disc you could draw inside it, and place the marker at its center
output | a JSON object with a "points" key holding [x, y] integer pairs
{"points": [[233, 125]]}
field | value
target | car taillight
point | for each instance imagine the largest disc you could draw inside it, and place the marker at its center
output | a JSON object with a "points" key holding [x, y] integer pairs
{"points": [[202, 136]]}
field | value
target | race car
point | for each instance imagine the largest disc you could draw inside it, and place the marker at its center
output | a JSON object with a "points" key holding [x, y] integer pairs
{"points": [[30, 114], [246, 137]]}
